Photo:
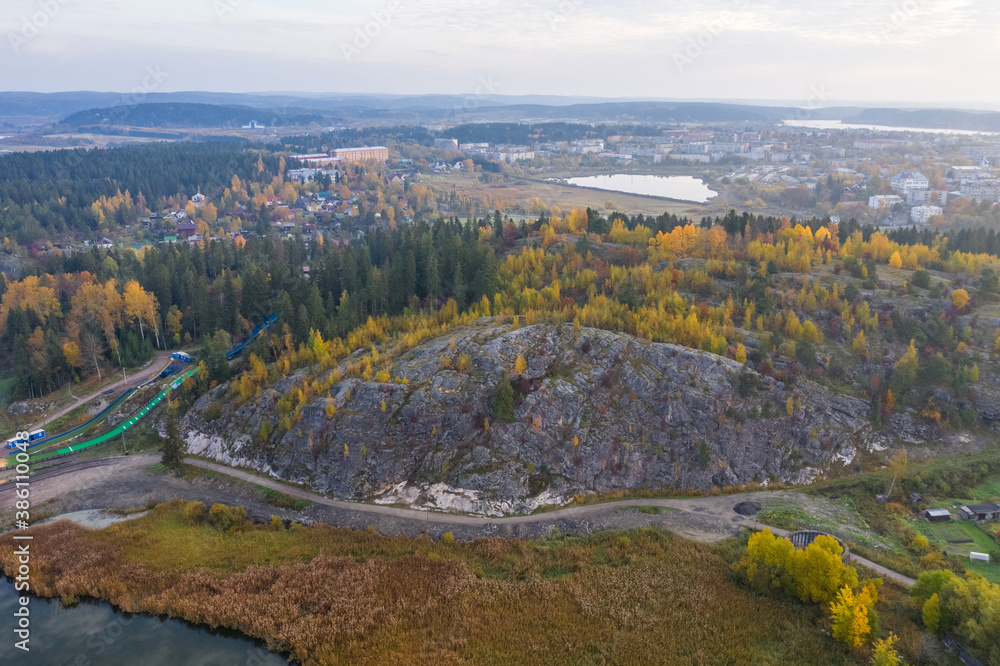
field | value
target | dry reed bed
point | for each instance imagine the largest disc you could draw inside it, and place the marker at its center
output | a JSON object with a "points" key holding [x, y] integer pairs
{"points": [[358, 597]]}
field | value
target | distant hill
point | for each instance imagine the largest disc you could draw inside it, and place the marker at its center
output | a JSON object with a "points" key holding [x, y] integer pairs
{"points": [[180, 115], [650, 112], [976, 121]]}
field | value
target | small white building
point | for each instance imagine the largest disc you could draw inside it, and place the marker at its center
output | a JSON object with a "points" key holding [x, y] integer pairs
{"points": [[924, 214], [881, 201]]}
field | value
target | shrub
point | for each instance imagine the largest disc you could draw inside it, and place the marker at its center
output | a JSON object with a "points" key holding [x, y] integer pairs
{"points": [[885, 653], [194, 513], [749, 383], [448, 537], [920, 544], [228, 517], [213, 412]]}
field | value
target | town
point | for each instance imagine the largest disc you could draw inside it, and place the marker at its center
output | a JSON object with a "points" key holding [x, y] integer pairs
{"points": [[551, 332]]}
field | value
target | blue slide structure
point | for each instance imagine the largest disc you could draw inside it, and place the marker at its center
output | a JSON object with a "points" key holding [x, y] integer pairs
{"points": [[177, 356], [238, 349], [51, 438]]}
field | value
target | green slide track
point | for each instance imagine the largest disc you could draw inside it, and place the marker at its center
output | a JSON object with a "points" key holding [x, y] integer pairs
{"points": [[120, 429]]}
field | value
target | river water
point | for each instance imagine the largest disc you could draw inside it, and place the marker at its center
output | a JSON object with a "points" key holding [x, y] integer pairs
{"points": [[838, 125], [93, 633], [681, 188]]}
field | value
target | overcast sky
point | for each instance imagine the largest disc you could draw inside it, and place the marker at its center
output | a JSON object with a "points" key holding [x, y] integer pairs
{"points": [[814, 52]]}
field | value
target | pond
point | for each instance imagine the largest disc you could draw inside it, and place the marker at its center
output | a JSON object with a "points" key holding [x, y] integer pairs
{"points": [[93, 633], [679, 188]]}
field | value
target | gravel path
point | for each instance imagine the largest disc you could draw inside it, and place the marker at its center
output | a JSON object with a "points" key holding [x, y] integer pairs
{"points": [[857, 559], [157, 365], [127, 482]]}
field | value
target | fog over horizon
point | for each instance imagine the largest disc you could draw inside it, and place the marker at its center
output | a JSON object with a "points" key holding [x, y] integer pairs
{"points": [[810, 53]]}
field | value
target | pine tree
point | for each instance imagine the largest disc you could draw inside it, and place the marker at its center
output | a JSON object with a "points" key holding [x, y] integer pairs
{"points": [[458, 286], [173, 445], [433, 286], [503, 403]]}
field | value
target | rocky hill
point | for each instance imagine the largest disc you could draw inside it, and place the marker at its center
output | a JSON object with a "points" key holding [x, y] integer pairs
{"points": [[595, 411]]}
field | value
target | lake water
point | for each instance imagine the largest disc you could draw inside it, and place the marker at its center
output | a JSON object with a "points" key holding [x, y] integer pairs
{"points": [[681, 188], [836, 124], [93, 633]]}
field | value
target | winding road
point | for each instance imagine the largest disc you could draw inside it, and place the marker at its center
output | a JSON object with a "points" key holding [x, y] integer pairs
{"points": [[126, 481], [700, 505]]}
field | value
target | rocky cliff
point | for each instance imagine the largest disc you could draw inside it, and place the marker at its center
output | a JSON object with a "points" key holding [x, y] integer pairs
{"points": [[594, 411]]}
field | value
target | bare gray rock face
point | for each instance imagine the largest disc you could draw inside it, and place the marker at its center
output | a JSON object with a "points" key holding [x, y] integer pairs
{"points": [[595, 411]]}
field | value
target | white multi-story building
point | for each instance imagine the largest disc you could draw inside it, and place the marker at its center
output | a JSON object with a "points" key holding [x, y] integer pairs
{"points": [[586, 147], [881, 201], [909, 180], [988, 189], [921, 197], [923, 214]]}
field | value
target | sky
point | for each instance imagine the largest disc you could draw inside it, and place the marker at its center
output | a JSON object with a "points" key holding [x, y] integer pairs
{"points": [[810, 53]]}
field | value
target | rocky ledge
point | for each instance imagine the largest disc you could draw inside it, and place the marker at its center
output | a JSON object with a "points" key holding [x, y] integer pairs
{"points": [[594, 411]]}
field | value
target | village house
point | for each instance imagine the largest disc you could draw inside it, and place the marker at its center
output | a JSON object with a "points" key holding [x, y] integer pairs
{"points": [[981, 512], [187, 229]]}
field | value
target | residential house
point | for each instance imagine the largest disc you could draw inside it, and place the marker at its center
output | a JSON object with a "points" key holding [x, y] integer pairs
{"points": [[187, 229], [981, 512]]}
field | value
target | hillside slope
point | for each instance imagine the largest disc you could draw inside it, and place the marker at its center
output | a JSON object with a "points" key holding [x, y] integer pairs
{"points": [[595, 411]]}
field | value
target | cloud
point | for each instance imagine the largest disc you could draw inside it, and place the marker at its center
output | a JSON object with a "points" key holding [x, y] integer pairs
{"points": [[902, 49]]}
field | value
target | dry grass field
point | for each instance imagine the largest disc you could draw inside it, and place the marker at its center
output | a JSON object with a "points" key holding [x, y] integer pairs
{"points": [[332, 596], [522, 191]]}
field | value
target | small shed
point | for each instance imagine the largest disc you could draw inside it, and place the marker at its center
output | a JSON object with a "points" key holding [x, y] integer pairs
{"points": [[937, 515], [979, 557]]}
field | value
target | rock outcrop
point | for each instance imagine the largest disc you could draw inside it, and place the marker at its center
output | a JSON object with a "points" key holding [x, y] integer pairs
{"points": [[595, 411]]}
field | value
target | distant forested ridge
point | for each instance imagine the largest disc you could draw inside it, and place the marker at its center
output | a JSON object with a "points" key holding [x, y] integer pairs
{"points": [[178, 115], [930, 118], [366, 136]]}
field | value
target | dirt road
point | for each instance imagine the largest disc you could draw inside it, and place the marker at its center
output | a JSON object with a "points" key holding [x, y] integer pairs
{"points": [[126, 482], [159, 362]]}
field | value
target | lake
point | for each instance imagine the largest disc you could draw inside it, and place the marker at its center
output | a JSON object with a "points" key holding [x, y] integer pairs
{"points": [[94, 633], [838, 125], [680, 188]]}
